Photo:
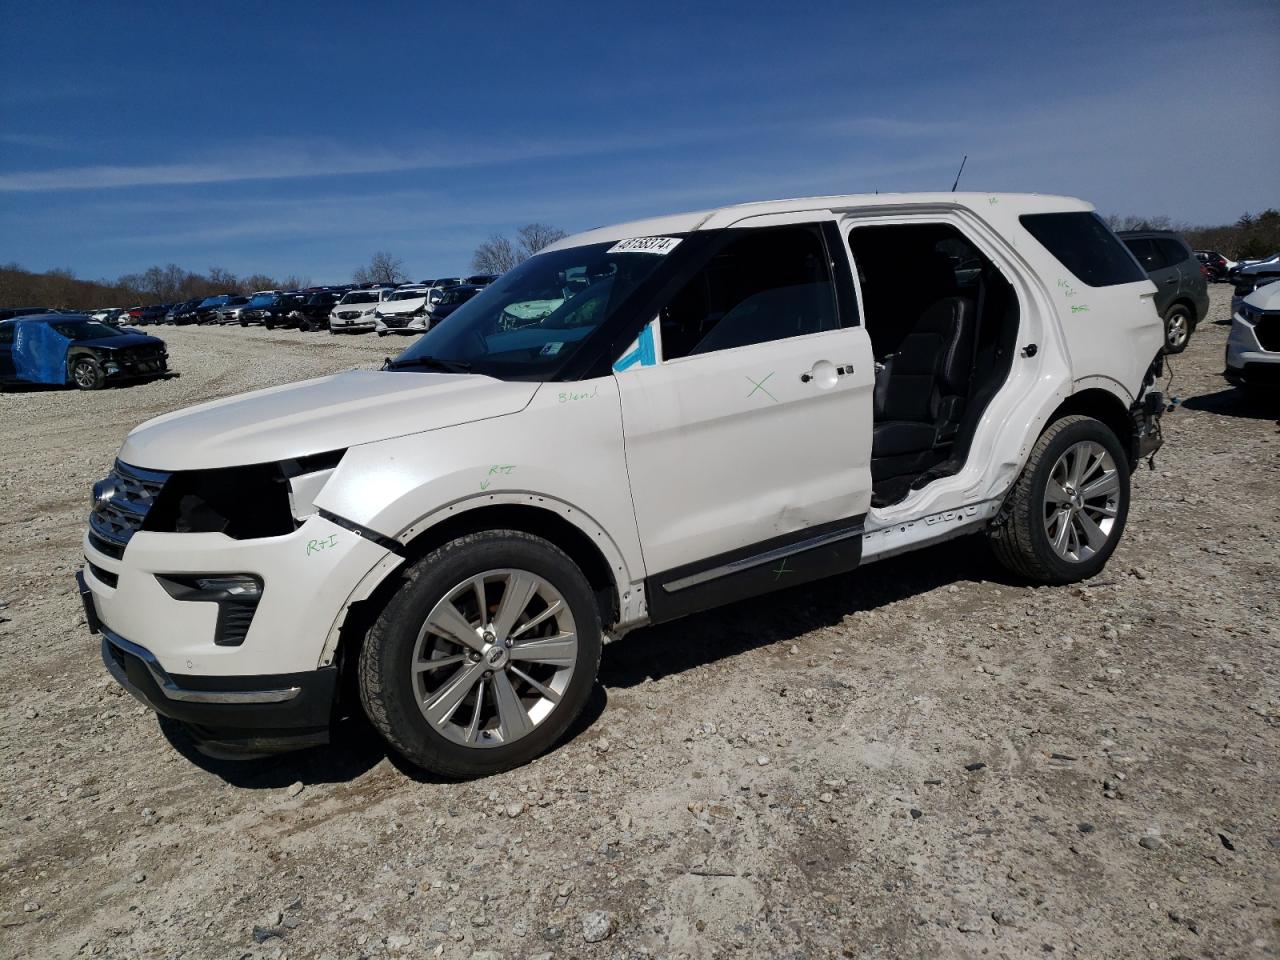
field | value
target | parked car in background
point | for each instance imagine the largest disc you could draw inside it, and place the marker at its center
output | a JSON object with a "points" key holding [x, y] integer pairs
{"points": [[263, 306], [451, 299], [312, 313], [1218, 266], [1251, 275], [406, 310], [441, 282], [280, 314], [149, 315], [1253, 346], [185, 312], [455, 535], [354, 312], [1182, 292], [7, 313], [207, 309], [107, 314], [1244, 264], [75, 349], [481, 279], [230, 311]]}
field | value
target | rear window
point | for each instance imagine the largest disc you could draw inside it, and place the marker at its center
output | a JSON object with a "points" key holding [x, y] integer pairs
{"points": [[1173, 250], [1085, 246]]}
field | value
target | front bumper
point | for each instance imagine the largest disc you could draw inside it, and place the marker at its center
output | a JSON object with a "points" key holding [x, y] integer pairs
{"points": [[240, 714], [361, 323], [1247, 362]]}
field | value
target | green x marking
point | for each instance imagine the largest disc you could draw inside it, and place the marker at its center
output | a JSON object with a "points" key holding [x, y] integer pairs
{"points": [[761, 386], [782, 568]]}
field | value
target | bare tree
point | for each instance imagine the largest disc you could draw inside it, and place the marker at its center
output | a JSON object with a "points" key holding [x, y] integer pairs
{"points": [[535, 237], [225, 280], [499, 254], [496, 255], [383, 268]]}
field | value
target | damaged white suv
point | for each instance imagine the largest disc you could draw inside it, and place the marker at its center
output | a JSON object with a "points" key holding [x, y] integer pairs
{"points": [[725, 403]]}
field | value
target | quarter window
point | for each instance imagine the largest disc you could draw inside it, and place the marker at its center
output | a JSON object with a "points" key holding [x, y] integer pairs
{"points": [[762, 285], [1085, 246]]}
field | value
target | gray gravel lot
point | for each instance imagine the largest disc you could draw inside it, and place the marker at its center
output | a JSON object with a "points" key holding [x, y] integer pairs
{"points": [[922, 759]]}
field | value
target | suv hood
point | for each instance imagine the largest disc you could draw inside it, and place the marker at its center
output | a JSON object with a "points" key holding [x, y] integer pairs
{"points": [[316, 416], [120, 343]]}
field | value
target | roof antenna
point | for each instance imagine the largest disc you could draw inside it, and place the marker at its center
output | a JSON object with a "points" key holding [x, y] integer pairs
{"points": [[958, 172]]}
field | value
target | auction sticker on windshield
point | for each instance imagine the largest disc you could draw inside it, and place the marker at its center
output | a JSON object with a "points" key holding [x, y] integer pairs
{"points": [[658, 245]]}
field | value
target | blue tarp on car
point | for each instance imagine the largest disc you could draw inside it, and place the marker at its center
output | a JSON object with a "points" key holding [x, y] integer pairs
{"points": [[40, 352]]}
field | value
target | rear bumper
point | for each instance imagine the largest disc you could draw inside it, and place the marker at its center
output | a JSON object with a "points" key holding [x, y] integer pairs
{"points": [[250, 714]]}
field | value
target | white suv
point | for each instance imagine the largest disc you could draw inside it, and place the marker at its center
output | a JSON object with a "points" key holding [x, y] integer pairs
{"points": [[725, 403], [1253, 346]]}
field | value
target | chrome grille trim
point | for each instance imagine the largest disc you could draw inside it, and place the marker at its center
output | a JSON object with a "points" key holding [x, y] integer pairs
{"points": [[122, 501]]}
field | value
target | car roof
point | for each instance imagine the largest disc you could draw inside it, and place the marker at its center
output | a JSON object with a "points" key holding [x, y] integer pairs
{"points": [[47, 317], [1147, 234], [993, 207]]}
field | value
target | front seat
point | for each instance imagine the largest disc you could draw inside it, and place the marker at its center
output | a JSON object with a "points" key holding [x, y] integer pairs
{"points": [[921, 389]]}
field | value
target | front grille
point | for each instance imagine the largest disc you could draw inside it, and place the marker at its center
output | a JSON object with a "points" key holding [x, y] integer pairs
{"points": [[1267, 329], [395, 321], [105, 576], [348, 315], [112, 550], [121, 502]]}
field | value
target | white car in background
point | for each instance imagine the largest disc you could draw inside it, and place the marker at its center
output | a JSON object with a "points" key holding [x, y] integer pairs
{"points": [[354, 313], [732, 402], [406, 309], [1253, 346]]}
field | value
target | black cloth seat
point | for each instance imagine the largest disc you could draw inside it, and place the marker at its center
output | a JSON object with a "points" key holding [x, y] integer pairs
{"points": [[921, 389]]}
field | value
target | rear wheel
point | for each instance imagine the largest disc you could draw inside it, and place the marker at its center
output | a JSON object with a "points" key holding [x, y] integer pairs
{"points": [[1066, 513], [485, 655], [1177, 328], [87, 374]]}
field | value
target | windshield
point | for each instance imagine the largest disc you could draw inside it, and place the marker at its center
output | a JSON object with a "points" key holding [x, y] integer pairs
{"points": [[531, 319], [262, 300], [86, 330], [322, 298], [360, 296], [408, 295], [456, 295]]}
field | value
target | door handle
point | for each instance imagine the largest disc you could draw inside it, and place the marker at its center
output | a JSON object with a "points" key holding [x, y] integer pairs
{"points": [[1170, 279], [825, 373]]}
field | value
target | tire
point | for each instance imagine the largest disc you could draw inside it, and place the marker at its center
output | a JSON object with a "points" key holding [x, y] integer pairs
{"points": [[468, 735], [1178, 325], [87, 374], [382, 333], [1034, 512]]}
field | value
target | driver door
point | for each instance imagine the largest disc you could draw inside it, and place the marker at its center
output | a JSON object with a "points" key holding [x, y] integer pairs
{"points": [[746, 409]]}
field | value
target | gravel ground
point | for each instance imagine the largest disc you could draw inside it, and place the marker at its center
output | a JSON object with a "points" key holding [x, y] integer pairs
{"points": [[923, 759]]}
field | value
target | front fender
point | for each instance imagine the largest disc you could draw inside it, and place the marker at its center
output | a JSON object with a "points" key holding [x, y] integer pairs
{"points": [[562, 453]]}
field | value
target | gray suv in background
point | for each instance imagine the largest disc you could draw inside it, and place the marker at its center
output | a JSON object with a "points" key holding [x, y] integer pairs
{"points": [[1182, 292]]}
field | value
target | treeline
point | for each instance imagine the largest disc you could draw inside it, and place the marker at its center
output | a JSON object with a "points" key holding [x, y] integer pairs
{"points": [[1250, 236], [167, 284]]}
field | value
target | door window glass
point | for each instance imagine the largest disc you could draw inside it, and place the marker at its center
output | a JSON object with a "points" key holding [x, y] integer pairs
{"points": [[1084, 245], [1147, 254], [762, 285], [1171, 250]]}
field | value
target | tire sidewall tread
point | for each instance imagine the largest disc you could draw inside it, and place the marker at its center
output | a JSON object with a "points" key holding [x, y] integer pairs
{"points": [[386, 688], [1019, 539]]}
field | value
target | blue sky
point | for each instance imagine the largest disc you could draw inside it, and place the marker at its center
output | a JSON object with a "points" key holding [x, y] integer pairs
{"points": [[301, 137]]}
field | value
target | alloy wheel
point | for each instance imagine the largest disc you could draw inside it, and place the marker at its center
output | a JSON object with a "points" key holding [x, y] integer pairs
{"points": [[494, 658], [1177, 331], [1081, 501], [84, 375]]}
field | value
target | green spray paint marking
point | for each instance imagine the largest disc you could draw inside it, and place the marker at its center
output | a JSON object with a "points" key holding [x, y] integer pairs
{"points": [[498, 469], [571, 395], [1080, 308], [324, 543], [782, 568], [761, 387]]}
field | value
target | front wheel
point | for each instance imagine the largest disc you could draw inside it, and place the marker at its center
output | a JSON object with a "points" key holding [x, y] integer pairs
{"points": [[1065, 515], [484, 656], [87, 374], [1177, 329]]}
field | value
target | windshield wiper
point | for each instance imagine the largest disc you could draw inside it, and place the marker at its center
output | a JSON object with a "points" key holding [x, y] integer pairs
{"points": [[449, 366]]}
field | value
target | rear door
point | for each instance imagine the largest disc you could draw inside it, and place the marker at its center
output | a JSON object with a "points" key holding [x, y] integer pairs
{"points": [[746, 408]]}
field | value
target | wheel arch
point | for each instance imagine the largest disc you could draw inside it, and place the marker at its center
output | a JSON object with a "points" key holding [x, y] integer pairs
{"points": [[1103, 405], [594, 555]]}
